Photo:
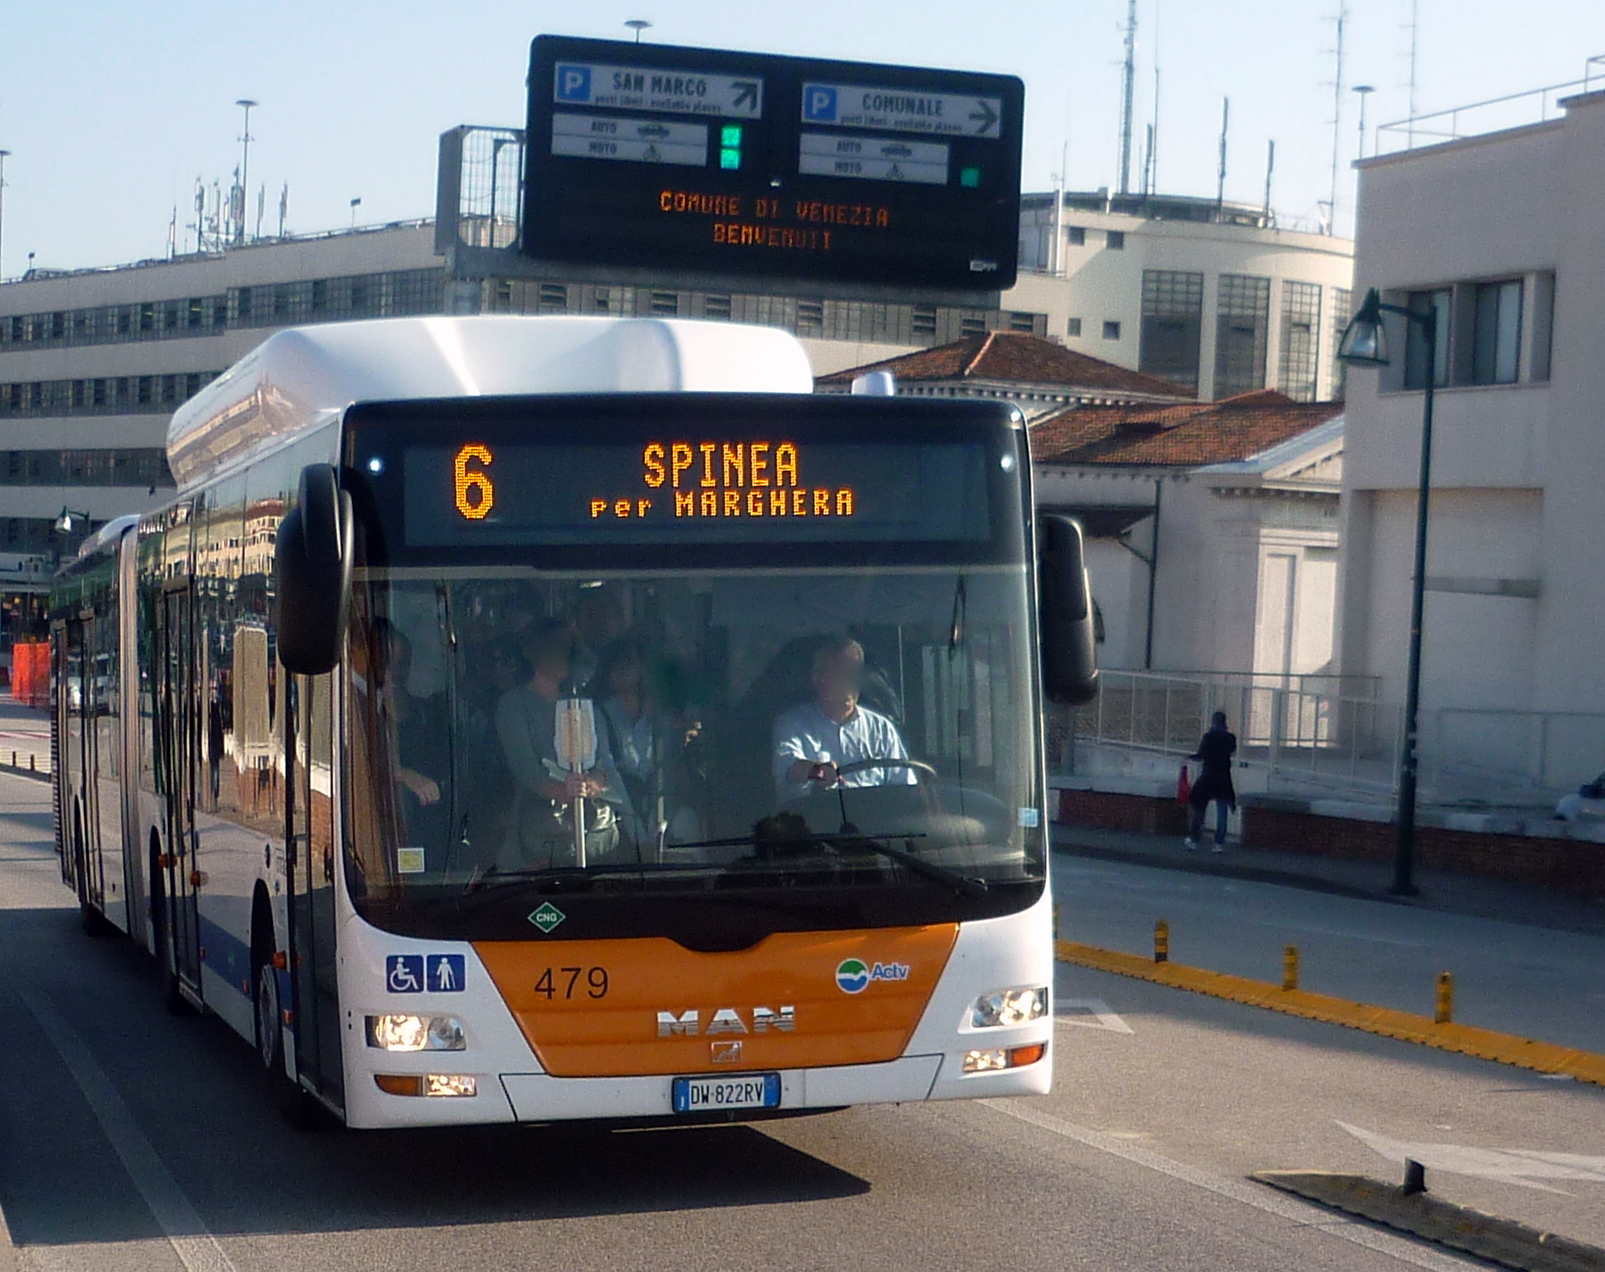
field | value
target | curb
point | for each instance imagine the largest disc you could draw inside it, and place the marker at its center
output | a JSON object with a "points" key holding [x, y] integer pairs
{"points": [[1504, 1241], [8, 1252], [1230, 870], [1484, 1044], [40, 775]]}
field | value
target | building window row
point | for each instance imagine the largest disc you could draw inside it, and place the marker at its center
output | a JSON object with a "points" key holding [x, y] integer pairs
{"points": [[108, 395], [812, 317], [143, 466], [394, 292], [29, 535], [1301, 334], [1481, 333]]}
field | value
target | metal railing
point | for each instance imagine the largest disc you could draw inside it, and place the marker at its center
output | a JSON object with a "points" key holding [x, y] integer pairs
{"points": [[1514, 110], [1490, 754], [1292, 729]]}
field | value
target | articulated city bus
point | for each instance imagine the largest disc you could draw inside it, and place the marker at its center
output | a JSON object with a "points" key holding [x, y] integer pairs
{"points": [[522, 719]]}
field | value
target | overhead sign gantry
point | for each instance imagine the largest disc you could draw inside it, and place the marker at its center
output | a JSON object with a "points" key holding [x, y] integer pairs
{"points": [[747, 164]]}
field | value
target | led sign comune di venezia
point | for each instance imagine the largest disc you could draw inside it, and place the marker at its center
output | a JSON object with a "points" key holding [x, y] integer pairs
{"points": [[752, 165]]}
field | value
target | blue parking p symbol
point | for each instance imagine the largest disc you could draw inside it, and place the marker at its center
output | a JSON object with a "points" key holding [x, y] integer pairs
{"points": [[819, 102], [573, 83]]}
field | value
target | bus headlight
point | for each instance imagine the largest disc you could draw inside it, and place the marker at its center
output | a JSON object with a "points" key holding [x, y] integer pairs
{"points": [[416, 1033], [1004, 1007]]}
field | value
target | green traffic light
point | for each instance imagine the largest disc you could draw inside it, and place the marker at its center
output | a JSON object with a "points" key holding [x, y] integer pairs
{"points": [[730, 135], [730, 158]]}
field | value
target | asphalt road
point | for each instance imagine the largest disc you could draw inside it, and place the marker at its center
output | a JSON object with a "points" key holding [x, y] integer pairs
{"points": [[134, 1140]]}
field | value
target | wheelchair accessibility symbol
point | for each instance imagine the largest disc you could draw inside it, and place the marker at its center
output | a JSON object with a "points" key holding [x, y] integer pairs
{"points": [[404, 973]]}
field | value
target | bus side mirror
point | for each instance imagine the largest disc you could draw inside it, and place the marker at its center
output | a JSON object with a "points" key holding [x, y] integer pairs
{"points": [[1069, 657], [312, 574]]}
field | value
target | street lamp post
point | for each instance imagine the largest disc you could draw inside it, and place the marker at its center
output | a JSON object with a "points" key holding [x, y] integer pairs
{"points": [[1364, 90], [637, 25], [1364, 343]]}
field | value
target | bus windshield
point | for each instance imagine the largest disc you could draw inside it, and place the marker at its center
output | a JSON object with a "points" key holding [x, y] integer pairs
{"points": [[769, 653], [567, 737]]}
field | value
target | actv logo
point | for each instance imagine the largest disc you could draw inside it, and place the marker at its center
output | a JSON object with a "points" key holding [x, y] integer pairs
{"points": [[853, 975]]}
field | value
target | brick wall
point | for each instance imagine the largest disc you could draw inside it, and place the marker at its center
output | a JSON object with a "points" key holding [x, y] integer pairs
{"points": [[1108, 811], [1572, 866]]}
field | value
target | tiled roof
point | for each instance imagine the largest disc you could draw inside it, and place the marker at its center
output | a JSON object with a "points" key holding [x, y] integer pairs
{"points": [[1011, 357], [1188, 436]]}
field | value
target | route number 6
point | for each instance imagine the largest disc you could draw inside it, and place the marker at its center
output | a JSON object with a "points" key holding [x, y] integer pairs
{"points": [[475, 495]]}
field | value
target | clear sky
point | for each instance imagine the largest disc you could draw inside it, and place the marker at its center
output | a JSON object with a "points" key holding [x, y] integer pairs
{"points": [[112, 108]]}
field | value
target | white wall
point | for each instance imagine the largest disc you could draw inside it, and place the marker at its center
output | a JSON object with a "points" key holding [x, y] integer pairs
{"points": [[1213, 592], [1515, 605]]}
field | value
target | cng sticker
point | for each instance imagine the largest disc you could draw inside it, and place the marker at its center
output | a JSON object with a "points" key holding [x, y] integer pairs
{"points": [[547, 917], [853, 975]]}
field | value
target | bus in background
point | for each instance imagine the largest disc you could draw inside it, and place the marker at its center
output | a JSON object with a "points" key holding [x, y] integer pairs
{"points": [[523, 719]]}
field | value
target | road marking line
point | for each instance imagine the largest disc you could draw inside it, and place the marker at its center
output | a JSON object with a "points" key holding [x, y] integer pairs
{"points": [[1523, 1166], [1283, 1207], [194, 1244], [1484, 1044], [1102, 1017]]}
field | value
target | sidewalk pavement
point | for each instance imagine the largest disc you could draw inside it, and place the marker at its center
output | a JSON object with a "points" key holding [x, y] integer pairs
{"points": [[1366, 880], [26, 732]]}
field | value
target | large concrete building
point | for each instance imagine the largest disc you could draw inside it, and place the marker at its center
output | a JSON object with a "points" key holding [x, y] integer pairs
{"points": [[1503, 235], [1211, 295], [93, 362]]}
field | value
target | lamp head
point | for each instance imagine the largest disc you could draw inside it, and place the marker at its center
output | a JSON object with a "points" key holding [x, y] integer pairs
{"points": [[1365, 341]]}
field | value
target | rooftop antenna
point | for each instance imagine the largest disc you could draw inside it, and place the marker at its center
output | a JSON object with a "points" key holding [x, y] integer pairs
{"points": [[245, 168], [1415, 31], [284, 206], [1337, 116], [1128, 83], [1153, 128], [1056, 259], [4, 155], [1270, 167], [1225, 120]]}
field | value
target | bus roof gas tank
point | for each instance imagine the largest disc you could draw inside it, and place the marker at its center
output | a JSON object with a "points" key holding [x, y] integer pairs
{"points": [[303, 377]]}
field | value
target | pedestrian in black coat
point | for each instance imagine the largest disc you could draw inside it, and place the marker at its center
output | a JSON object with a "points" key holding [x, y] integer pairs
{"points": [[1214, 781]]}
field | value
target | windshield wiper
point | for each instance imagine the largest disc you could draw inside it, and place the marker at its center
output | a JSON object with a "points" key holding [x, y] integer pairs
{"points": [[963, 884]]}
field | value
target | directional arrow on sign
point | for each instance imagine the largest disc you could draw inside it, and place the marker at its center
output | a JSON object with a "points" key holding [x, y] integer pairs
{"points": [[986, 116], [746, 93], [1523, 1166]]}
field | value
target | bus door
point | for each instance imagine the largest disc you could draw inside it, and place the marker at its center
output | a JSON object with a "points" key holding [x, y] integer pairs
{"points": [[77, 785], [179, 726], [66, 652], [314, 988]]}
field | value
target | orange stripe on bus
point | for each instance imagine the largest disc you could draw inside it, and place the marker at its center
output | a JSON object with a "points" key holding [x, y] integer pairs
{"points": [[714, 1000]]}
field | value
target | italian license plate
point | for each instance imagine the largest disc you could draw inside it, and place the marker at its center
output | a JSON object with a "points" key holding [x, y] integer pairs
{"points": [[729, 1091]]}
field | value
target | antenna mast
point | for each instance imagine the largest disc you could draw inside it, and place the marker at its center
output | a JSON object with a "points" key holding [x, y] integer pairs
{"points": [[1128, 84], [1225, 119], [1270, 167], [1152, 176], [1415, 30], [1337, 117]]}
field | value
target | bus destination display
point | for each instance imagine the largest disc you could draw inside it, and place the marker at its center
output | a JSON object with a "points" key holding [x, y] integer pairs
{"points": [[693, 490], [745, 164]]}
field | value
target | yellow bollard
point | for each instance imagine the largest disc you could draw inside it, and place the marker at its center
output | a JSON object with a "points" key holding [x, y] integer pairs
{"points": [[1445, 1012], [1161, 942], [1290, 967]]}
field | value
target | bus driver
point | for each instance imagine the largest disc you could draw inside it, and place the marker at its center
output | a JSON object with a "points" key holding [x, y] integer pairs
{"points": [[814, 741]]}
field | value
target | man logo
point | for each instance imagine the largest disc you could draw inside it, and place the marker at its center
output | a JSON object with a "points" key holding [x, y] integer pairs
{"points": [[854, 975]]}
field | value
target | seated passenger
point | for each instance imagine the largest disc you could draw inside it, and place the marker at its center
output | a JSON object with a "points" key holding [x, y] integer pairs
{"points": [[541, 829], [812, 742]]}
